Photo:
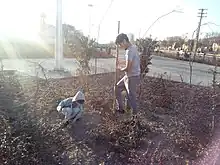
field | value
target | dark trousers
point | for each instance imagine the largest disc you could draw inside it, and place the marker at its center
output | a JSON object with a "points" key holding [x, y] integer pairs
{"points": [[130, 85]]}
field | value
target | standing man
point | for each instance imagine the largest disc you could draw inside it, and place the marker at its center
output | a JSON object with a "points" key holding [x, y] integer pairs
{"points": [[132, 74]]}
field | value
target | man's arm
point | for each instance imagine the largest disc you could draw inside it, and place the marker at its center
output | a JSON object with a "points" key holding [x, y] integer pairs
{"points": [[129, 60]]}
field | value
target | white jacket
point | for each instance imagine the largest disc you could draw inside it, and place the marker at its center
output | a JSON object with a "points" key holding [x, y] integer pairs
{"points": [[71, 108]]}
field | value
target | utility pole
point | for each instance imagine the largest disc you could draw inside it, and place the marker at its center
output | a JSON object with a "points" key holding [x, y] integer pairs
{"points": [[116, 69], [59, 37], [201, 16], [90, 17]]}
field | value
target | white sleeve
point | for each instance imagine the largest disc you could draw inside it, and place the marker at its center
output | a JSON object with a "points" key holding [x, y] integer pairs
{"points": [[129, 55]]}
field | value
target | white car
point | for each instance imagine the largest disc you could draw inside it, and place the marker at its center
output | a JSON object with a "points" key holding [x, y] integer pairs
{"points": [[200, 54], [181, 53]]}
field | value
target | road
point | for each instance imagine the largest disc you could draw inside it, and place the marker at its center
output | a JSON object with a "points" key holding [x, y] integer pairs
{"points": [[170, 68], [177, 69]]}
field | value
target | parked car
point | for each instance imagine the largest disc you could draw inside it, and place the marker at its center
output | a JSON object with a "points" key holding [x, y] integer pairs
{"points": [[183, 54]]}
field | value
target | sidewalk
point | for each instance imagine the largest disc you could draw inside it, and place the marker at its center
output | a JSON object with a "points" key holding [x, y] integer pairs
{"points": [[42, 67]]}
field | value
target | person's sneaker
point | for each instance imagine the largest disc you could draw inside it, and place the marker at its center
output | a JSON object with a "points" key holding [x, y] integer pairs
{"points": [[134, 117], [64, 124], [128, 110], [134, 112], [120, 111]]}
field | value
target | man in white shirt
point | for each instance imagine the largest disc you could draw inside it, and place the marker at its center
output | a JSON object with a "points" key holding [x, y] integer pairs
{"points": [[132, 74]]}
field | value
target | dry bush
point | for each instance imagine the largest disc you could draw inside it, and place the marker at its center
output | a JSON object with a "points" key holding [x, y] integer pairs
{"points": [[173, 125]]}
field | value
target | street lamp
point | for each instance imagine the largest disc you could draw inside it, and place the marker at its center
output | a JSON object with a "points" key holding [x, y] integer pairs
{"points": [[59, 37], [173, 11], [90, 15]]}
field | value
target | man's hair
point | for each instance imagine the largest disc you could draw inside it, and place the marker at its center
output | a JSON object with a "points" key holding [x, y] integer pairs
{"points": [[120, 38]]}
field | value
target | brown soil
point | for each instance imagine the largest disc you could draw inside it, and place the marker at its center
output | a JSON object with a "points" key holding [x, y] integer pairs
{"points": [[173, 125]]}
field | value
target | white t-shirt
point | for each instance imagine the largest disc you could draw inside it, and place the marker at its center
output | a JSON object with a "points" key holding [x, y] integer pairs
{"points": [[132, 54]]}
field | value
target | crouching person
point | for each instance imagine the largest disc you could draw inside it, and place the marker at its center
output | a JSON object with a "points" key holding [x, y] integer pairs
{"points": [[72, 108]]}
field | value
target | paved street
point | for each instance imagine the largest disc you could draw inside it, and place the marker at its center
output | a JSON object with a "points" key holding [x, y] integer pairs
{"points": [[173, 69], [177, 69]]}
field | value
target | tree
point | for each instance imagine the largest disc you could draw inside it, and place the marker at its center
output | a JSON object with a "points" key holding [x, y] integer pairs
{"points": [[164, 43], [212, 34], [81, 48], [175, 41], [146, 47], [190, 44], [145, 44]]}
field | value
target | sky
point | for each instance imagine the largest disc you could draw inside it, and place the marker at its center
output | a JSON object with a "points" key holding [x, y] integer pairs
{"points": [[22, 18]]}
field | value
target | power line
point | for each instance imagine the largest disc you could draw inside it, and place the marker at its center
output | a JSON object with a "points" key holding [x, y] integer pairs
{"points": [[207, 23], [103, 17], [106, 12], [212, 23], [210, 28]]}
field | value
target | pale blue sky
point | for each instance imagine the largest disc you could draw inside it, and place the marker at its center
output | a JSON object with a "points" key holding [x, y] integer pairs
{"points": [[22, 17]]}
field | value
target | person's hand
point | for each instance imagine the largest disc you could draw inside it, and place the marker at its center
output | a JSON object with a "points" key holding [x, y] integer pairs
{"points": [[118, 68], [122, 69]]}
